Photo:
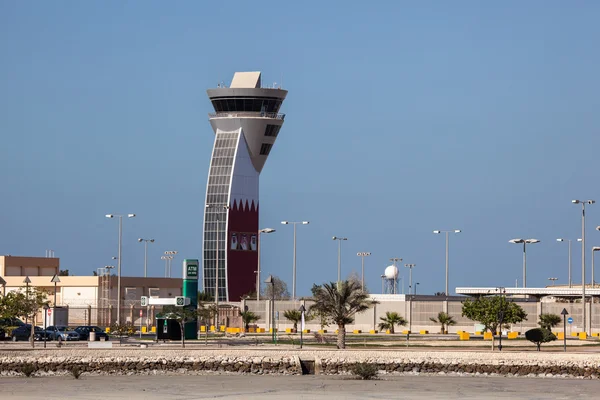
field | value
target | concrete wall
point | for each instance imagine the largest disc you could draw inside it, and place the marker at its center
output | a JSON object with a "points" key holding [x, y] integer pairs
{"points": [[422, 311], [32, 266]]}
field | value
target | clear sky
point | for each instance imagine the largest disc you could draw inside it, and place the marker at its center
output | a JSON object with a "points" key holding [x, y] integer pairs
{"points": [[402, 118]]}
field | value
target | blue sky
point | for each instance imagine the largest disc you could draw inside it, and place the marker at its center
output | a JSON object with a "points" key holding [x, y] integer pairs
{"points": [[402, 118]]}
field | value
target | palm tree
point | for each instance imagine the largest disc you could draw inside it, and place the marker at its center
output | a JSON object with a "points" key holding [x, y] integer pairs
{"points": [[339, 302], [444, 320], [248, 317], [293, 316], [390, 320], [549, 321]]}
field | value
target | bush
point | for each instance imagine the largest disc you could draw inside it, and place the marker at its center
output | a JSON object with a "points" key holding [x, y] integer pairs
{"points": [[28, 369], [365, 371], [539, 336], [75, 371]]}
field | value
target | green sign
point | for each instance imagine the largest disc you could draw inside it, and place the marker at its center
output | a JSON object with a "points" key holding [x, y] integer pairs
{"points": [[190, 269]]}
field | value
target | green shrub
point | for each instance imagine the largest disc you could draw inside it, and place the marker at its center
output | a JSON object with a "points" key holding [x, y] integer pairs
{"points": [[27, 369], [75, 371], [539, 336], [365, 371]]}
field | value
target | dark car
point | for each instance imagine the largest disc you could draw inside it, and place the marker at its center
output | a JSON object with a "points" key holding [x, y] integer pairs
{"points": [[84, 332], [11, 322], [61, 333], [2, 334], [23, 332]]}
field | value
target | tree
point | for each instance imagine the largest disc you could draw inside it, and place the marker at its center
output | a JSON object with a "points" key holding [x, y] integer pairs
{"points": [[248, 317], [279, 288], [293, 316], [485, 310], [444, 320], [121, 330], [539, 336], [549, 321], [25, 304], [182, 315], [340, 302], [205, 297], [390, 320], [63, 272]]}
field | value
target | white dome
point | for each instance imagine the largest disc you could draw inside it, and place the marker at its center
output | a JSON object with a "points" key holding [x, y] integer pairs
{"points": [[391, 272]]}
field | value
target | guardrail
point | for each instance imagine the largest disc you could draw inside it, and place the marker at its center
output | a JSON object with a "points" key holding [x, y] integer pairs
{"points": [[246, 114]]}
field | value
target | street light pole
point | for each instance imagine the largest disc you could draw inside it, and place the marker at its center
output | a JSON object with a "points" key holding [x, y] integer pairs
{"points": [[553, 280], [594, 250], [447, 253], [294, 263], [145, 254], [395, 260], [416, 286], [339, 239], [362, 278], [265, 230], [272, 282], [119, 256], [583, 203], [525, 242], [569, 240], [410, 267]]}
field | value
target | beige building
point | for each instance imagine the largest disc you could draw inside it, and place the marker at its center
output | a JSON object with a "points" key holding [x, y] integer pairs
{"points": [[91, 299]]}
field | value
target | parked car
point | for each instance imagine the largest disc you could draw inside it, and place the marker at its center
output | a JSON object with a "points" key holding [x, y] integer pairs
{"points": [[11, 322], [2, 334], [61, 333], [84, 332], [23, 332]]}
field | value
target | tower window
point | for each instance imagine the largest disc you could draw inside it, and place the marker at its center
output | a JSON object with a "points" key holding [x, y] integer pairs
{"points": [[265, 149], [272, 130]]}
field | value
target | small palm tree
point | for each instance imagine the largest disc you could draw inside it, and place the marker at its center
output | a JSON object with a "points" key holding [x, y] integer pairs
{"points": [[390, 320], [549, 321], [248, 317], [340, 302], [444, 320], [294, 316]]}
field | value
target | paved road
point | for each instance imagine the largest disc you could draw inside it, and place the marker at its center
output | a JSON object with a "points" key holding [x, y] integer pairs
{"points": [[175, 387]]}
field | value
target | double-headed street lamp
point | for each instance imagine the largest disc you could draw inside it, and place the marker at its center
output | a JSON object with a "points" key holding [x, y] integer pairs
{"points": [[119, 257], [525, 242], [410, 267], [553, 280], [362, 277], [583, 203], [170, 254], [167, 261], [145, 254], [447, 252], [260, 232], [339, 239], [294, 263], [568, 240]]}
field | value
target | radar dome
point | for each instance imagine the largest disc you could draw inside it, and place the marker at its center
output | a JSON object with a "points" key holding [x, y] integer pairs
{"points": [[391, 272]]}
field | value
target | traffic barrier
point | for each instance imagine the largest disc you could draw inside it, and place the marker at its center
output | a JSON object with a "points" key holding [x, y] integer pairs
{"points": [[582, 336], [406, 332], [372, 331], [464, 336], [488, 336], [357, 331], [513, 335], [423, 332], [561, 335]]}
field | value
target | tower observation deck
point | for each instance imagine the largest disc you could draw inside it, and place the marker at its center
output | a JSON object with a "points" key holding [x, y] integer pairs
{"points": [[246, 123]]}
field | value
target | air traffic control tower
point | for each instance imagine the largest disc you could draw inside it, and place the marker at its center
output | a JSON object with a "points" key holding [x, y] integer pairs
{"points": [[246, 123]]}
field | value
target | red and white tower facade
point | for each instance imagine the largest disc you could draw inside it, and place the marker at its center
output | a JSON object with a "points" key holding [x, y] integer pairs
{"points": [[246, 123]]}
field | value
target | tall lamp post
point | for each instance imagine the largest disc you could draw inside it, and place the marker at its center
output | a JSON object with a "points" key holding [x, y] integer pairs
{"points": [[416, 286], [362, 276], [553, 280], [525, 242], [170, 255], [447, 252], [260, 232], [410, 267], [568, 240], [119, 257], [583, 203], [167, 259], [145, 254], [294, 264], [302, 311], [594, 250], [270, 280], [27, 281], [339, 239]]}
